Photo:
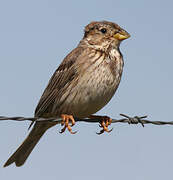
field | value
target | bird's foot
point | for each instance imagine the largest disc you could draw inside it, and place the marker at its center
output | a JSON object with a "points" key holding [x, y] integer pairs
{"points": [[65, 122], [105, 121]]}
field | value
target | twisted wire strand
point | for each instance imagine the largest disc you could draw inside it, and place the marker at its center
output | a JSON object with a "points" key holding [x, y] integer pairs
{"points": [[127, 119]]}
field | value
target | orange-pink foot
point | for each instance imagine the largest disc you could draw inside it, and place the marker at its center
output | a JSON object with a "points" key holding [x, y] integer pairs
{"points": [[105, 121], [65, 121]]}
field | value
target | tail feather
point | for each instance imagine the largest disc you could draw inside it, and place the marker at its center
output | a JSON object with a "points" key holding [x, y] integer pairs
{"points": [[24, 150]]}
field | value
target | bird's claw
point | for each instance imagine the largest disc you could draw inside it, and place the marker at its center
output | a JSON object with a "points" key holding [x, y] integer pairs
{"points": [[105, 121], [65, 122], [102, 131]]}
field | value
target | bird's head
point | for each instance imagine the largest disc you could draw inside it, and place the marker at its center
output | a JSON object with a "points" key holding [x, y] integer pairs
{"points": [[100, 35]]}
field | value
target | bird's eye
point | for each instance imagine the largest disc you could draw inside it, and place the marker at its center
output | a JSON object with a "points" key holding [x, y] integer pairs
{"points": [[103, 30]]}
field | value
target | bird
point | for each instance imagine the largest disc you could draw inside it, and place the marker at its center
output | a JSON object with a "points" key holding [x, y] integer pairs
{"points": [[84, 83]]}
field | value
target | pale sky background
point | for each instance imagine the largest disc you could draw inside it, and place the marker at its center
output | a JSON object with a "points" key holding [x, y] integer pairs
{"points": [[35, 36]]}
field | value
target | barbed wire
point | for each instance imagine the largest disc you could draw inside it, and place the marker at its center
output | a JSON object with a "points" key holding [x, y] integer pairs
{"points": [[127, 119]]}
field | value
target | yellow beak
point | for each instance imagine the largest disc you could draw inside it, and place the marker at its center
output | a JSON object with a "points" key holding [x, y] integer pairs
{"points": [[122, 35]]}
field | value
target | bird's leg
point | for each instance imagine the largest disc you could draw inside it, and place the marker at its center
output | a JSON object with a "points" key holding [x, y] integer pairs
{"points": [[65, 121], [105, 121]]}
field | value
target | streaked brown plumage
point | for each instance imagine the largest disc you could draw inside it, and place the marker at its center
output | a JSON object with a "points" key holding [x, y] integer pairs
{"points": [[84, 82]]}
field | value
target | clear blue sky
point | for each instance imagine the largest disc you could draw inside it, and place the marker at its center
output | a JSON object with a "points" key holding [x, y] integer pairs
{"points": [[35, 36]]}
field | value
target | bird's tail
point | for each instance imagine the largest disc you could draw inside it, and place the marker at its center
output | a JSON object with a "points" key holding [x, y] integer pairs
{"points": [[24, 150]]}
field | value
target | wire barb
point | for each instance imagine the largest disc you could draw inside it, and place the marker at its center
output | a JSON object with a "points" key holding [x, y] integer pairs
{"points": [[135, 119]]}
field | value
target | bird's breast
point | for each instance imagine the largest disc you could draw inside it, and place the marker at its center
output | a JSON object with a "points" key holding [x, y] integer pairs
{"points": [[96, 85]]}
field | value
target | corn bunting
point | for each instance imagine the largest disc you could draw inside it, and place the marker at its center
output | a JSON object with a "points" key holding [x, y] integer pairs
{"points": [[84, 83]]}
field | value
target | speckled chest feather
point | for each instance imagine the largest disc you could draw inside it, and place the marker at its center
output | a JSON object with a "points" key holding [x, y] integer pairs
{"points": [[96, 83]]}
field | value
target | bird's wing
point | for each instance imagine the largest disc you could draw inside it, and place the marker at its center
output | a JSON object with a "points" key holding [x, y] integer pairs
{"points": [[60, 80]]}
